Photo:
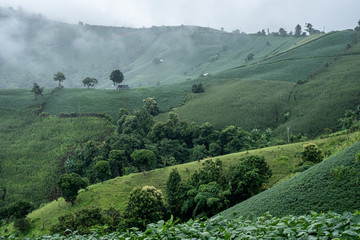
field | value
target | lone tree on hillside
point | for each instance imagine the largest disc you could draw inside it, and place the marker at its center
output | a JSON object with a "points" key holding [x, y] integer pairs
{"points": [[38, 91], [69, 185], [59, 77], [117, 77], [90, 82]]}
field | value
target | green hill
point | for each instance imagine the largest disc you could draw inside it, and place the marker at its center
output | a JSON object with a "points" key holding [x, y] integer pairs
{"points": [[147, 56], [33, 149], [260, 95], [330, 185], [281, 159]]}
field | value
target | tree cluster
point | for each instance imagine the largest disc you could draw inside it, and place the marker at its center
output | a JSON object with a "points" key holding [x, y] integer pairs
{"points": [[17, 211], [213, 188]]}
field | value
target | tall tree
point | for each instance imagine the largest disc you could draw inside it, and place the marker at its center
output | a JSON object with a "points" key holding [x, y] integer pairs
{"points": [[59, 77], [175, 193], [297, 31], [117, 77], [38, 91], [309, 28]]}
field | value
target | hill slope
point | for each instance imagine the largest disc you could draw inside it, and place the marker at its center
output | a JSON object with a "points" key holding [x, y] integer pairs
{"points": [[281, 159], [330, 185], [33, 149]]}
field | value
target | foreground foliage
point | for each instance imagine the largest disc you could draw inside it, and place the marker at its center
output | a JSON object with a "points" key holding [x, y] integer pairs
{"points": [[313, 226]]}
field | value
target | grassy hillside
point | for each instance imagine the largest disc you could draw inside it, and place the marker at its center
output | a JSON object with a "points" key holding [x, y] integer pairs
{"points": [[33, 150], [244, 96], [43, 47], [331, 185], [281, 159]]}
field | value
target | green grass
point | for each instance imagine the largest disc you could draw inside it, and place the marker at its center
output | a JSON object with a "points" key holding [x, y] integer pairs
{"points": [[33, 150], [330, 185], [281, 159]]}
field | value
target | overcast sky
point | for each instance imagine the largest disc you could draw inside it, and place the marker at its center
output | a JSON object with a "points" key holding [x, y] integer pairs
{"points": [[247, 15]]}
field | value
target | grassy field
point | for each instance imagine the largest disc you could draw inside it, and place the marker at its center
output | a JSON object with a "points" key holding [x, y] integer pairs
{"points": [[33, 149], [281, 159], [331, 185]]}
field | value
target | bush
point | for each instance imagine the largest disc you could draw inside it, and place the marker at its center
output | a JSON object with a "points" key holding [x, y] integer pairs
{"points": [[311, 153], [197, 88]]}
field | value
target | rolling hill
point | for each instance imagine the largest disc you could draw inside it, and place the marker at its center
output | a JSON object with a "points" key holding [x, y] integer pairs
{"points": [[148, 56]]}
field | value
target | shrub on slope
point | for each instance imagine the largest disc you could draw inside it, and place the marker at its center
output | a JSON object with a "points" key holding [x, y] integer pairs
{"points": [[330, 185]]}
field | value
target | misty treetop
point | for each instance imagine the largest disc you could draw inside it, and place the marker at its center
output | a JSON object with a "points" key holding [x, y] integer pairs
{"points": [[59, 77], [117, 77]]}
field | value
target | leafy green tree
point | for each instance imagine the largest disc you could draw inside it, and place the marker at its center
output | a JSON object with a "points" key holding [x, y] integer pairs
{"points": [[117, 77], [198, 152], [282, 32], [117, 160], [90, 82], [144, 159], [150, 105], [38, 91], [102, 169], [59, 77], [214, 149], [297, 31], [145, 206], [311, 153], [209, 200], [246, 178], [69, 185]]}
